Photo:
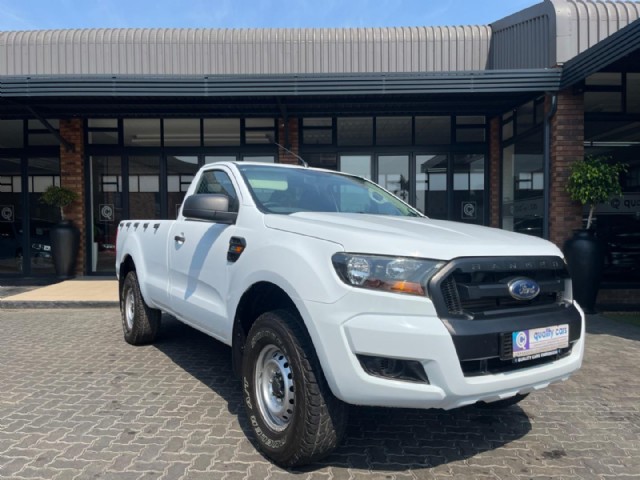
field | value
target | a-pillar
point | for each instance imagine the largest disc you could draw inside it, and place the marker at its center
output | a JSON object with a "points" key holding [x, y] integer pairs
{"points": [[72, 177]]}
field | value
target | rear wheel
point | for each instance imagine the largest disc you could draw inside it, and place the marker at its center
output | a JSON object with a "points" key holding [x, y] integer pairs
{"points": [[295, 417], [140, 323]]}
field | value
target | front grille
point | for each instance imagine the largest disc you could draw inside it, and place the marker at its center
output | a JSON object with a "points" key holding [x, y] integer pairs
{"points": [[477, 288]]}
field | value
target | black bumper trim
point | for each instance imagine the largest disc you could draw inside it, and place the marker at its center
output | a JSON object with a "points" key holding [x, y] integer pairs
{"points": [[481, 339]]}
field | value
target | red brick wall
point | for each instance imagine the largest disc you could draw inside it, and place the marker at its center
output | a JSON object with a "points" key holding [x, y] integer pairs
{"points": [[72, 177], [294, 146], [494, 172], [567, 137]]}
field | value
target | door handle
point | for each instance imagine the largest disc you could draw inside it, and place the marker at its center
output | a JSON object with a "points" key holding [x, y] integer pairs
{"points": [[179, 238]]}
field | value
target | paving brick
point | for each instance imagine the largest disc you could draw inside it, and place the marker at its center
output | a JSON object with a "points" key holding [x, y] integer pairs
{"points": [[78, 402]]}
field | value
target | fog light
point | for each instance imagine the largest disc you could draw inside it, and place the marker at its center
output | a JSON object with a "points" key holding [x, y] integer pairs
{"points": [[393, 368]]}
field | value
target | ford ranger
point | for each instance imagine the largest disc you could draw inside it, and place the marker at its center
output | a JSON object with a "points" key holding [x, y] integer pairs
{"points": [[332, 291]]}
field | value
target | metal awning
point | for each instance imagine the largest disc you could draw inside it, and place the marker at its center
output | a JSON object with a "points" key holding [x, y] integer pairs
{"points": [[493, 81]]}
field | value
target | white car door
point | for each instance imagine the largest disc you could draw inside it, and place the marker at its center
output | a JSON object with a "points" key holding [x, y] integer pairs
{"points": [[198, 262]]}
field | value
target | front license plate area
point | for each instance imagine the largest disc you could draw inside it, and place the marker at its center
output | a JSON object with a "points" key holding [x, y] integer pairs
{"points": [[538, 343]]}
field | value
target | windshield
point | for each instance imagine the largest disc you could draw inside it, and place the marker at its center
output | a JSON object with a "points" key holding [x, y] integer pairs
{"points": [[291, 190]]}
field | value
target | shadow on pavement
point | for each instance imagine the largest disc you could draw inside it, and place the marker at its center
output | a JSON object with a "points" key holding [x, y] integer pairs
{"points": [[376, 438], [599, 325]]}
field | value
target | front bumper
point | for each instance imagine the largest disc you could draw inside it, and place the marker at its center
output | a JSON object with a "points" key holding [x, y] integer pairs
{"points": [[362, 325]]}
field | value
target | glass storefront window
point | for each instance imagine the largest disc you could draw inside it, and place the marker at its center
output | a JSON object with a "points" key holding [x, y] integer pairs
{"points": [[468, 188], [11, 217], [43, 172], [522, 185], [259, 131], [38, 135], [11, 133], [393, 131], [610, 102], [355, 131], [106, 210], [102, 131], [431, 185], [180, 172], [259, 158], [393, 174], [219, 158], [144, 187], [357, 165], [317, 131], [633, 92], [142, 132], [181, 132], [433, 130], [221, 131]]}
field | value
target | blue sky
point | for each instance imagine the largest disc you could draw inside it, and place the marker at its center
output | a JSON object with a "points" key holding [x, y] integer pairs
{"points": [[57, 14]]}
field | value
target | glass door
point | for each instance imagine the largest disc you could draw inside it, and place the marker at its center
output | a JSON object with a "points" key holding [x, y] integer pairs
{"points": [[356, 165], [393, 174], [42, 173], [432, 186], [106, 210], [25, 222], [180, 171], [12, 238]]}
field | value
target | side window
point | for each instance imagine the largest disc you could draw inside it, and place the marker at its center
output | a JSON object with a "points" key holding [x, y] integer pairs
{"points": [[217, 181]]}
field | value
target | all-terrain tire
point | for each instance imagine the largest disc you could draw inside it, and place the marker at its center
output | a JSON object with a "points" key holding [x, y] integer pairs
{"points": [[140, 323], [280, 360]]}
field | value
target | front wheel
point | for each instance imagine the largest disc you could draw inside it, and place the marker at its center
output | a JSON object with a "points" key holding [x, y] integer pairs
{"points": [[295, 417], [140, 323]]}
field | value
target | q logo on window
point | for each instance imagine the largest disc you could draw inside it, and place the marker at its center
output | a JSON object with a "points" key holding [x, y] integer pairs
{"points": [[6, 213], [106, 213]]}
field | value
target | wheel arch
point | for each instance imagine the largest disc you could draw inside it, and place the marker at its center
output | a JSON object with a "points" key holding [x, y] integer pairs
{"points": [[126, 265], [261, 297]]}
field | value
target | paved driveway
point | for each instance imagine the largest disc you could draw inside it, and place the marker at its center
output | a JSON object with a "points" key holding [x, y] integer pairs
{"points": [[78, 402]]}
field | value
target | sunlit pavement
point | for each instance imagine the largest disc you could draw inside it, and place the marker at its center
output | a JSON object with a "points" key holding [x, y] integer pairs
{"points": [[76, 401]]}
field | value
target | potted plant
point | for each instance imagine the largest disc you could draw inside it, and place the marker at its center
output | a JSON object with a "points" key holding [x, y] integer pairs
{"points": [[65, 237], [592, 181]]}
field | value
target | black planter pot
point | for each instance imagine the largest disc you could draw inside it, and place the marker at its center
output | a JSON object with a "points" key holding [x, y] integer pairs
{"points": [[65, 240], [585, 257]]}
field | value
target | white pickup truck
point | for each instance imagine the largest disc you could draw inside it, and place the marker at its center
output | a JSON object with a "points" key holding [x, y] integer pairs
{"points": [[332, 291]]}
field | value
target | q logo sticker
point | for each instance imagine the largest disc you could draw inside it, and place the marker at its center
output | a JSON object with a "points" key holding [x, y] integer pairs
{"points": [[6, 213], [106, 212], [469, 210]]}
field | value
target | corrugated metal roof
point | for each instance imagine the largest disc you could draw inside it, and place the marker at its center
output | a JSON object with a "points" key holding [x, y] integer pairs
{"points": [[243, 51], [552, 32]]}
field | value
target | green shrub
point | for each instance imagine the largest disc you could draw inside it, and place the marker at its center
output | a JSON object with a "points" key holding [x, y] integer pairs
{"points": [[58, 197], [594, 180]]}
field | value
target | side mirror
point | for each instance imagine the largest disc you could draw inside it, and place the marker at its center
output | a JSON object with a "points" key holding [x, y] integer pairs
{"points": [[211, 207]]}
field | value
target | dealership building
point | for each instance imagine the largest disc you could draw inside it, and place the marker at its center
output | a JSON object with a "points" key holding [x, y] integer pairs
{"points": [[476, 124]]}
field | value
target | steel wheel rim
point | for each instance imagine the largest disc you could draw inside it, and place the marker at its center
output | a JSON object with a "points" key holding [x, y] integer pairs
{"points": [[129, 309], [274, 388]]}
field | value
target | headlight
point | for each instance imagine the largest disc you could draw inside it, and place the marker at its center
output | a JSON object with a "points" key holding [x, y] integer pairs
{"points": [[391, 274]]}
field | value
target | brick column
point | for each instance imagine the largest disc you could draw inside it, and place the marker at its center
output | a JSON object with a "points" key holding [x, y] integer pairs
{"points": [[495, 153], [72, 177], [567, 147], [292, 126]]}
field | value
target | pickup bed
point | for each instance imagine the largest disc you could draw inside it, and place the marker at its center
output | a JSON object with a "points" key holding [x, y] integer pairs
{"points": [[332, 291]]}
